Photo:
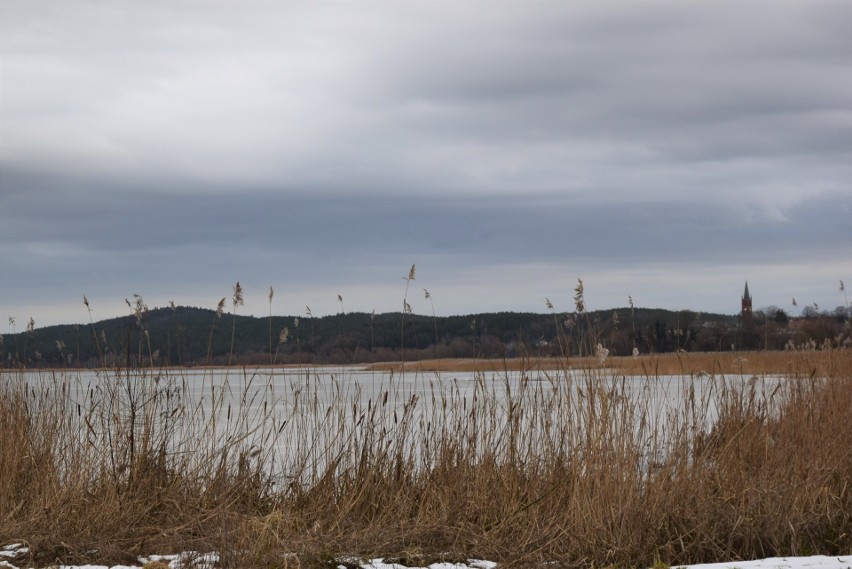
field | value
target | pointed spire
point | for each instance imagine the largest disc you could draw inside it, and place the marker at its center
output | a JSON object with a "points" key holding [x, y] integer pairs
{"points": [[746, 304]]}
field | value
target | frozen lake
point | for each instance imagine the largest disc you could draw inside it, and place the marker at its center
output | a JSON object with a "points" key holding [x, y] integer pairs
{"points": [[313, 415]]}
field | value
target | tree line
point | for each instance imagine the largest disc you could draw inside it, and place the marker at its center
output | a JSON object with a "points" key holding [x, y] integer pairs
{"points": [[188, 336]]}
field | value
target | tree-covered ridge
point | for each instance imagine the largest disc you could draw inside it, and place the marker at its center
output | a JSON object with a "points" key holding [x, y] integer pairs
{"points": [[196, 336]]}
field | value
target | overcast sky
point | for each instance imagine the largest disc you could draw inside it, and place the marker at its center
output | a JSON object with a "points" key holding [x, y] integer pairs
{"points": [[669, 151]]}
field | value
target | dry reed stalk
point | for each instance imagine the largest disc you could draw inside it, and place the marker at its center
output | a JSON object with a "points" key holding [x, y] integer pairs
{"points": [[406, 308], [236, 300], [269, 297]]}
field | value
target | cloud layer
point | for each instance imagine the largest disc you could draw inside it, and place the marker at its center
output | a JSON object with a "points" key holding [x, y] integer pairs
{"points": [[507, 148]]}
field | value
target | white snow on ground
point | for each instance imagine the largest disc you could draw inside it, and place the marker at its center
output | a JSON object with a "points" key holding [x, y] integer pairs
{"points": [[194, 560], [813, 562], [186, 560], [471, 564]]}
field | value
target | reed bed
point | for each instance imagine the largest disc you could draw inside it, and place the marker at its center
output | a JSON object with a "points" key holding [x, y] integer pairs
{"points": [[563, 464], [719, 363]]}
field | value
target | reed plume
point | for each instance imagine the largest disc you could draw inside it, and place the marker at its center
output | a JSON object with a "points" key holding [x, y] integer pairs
{"points": [[269, 296], [405, 310], [236, 300]]}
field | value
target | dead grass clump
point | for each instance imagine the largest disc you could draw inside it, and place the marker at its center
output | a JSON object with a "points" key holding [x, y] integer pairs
{"points": [[115, 468]]}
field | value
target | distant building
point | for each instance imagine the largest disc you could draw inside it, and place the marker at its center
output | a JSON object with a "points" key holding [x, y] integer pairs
{"points": [[746, 304]]}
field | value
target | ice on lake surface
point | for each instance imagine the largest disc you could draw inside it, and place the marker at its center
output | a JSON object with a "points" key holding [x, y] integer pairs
{"points": [[299, 416], [285, 394], [367, 385]]}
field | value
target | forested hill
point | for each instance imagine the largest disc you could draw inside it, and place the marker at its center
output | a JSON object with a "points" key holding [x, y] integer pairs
{"points": [[197, 336]]}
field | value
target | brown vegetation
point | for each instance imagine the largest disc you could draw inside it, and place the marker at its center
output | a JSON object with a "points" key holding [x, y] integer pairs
{"points": [[705, 363], [578, 468]]}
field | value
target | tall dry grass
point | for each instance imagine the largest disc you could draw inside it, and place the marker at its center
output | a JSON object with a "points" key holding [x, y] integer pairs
{"points": [[580, 467]]}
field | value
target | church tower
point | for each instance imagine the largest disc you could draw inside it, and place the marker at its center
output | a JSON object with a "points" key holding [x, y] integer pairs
{"points": [[746, 304]]}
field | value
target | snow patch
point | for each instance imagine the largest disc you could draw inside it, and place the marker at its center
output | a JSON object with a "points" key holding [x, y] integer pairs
{"points": [[185, 560], [471, 564], [812, 562], [13, 550]]}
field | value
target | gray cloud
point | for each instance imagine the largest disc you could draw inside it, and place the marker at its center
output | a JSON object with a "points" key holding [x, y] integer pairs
{"points": [[536, 228], [151, 144]]}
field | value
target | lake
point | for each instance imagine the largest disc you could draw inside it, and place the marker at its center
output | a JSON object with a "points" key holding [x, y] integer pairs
{"points": [[299, 420]]}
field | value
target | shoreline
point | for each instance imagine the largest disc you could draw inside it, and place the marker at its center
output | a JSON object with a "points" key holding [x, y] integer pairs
{"points": [[689, 363]]}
